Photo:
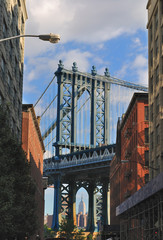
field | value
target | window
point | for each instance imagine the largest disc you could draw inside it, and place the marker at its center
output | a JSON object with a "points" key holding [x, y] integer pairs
{"points": [[14, 97], [151, 33], [9, 82], [156, 20], [20, 79], [146, 135], [10, 50], [151, 85], [1, 100], [151, 140], [152, 170], [146, 178], [157, 135], [157, 104], [12, 21], [2, 64], [157, 74], [4, 29], [3, 67], [17, 39], [151, 113], [22, 24], [151, 58], [16, 67], [19, 108], [146, 113], [146, 156], [162, 65], [157, 166], [19, 3], [156, 47]]}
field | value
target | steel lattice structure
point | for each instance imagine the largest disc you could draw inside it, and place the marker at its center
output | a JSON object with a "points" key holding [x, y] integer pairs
{"points": [[71, 86], [85, 166]]}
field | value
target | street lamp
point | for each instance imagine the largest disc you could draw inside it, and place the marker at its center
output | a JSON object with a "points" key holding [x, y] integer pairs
{"points": [[127, 161], [53, 38]]}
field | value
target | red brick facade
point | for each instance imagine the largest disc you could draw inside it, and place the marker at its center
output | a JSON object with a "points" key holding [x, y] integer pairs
{"points": [[33, 146], [129, 168]]}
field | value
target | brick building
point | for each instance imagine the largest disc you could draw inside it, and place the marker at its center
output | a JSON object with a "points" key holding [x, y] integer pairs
{"points": [[32, 144], [129, 168], [48, 220], [141, 214]]}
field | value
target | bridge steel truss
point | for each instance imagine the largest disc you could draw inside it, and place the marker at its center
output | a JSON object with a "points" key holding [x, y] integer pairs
{"points": [[88, 169], [85, 166], [71, 85]]}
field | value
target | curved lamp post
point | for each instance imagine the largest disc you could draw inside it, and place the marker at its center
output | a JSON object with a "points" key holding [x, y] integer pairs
{"points": [[53, 38], [127, 161]]}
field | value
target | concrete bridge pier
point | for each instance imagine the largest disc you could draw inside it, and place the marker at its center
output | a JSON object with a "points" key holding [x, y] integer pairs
{"points": [[57, 204], [105, 202], [91, 209], [72, 201]]}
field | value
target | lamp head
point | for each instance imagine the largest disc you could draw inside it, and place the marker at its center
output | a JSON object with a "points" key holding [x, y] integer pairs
{"points": [[53, 38]]}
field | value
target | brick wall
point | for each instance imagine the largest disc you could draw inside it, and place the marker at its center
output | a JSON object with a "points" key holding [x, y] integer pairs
{"points": [[33, 146]]}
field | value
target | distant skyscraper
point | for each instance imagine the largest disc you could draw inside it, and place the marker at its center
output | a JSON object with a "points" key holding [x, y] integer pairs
{"points": [[81, 217], [82, 208], [13, 15]]}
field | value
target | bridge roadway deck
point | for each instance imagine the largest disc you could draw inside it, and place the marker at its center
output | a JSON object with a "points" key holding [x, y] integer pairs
{"points": [[90, 164]]}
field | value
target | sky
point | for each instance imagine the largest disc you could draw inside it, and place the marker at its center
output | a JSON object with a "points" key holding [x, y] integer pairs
{"points": [[105, 33]]}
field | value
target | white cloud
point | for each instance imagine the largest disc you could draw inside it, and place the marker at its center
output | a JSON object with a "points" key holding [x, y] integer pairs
{"points": [[143, 76], [85, 21], [88, 21], [69, 57], [123, 71], [140, 62], [138, 67], [39, 65], [137, 42]]}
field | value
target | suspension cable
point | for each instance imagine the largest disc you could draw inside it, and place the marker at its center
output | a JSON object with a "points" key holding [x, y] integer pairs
{"points": [[44, 91]]}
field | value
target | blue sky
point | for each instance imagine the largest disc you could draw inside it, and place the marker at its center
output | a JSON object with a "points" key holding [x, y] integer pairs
{"points": [[106, 33]]}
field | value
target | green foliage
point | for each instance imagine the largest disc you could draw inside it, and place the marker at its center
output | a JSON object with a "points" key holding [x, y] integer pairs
{"points": [[67, 228], [90, 237], [17, 189], [79, 235], [69, 231], [48, 232]]}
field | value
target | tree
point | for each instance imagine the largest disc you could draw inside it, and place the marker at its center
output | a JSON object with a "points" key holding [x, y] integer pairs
{"points": [[17, 189], [67, 229], [79, 235], [48, 232], [90, 236]]}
